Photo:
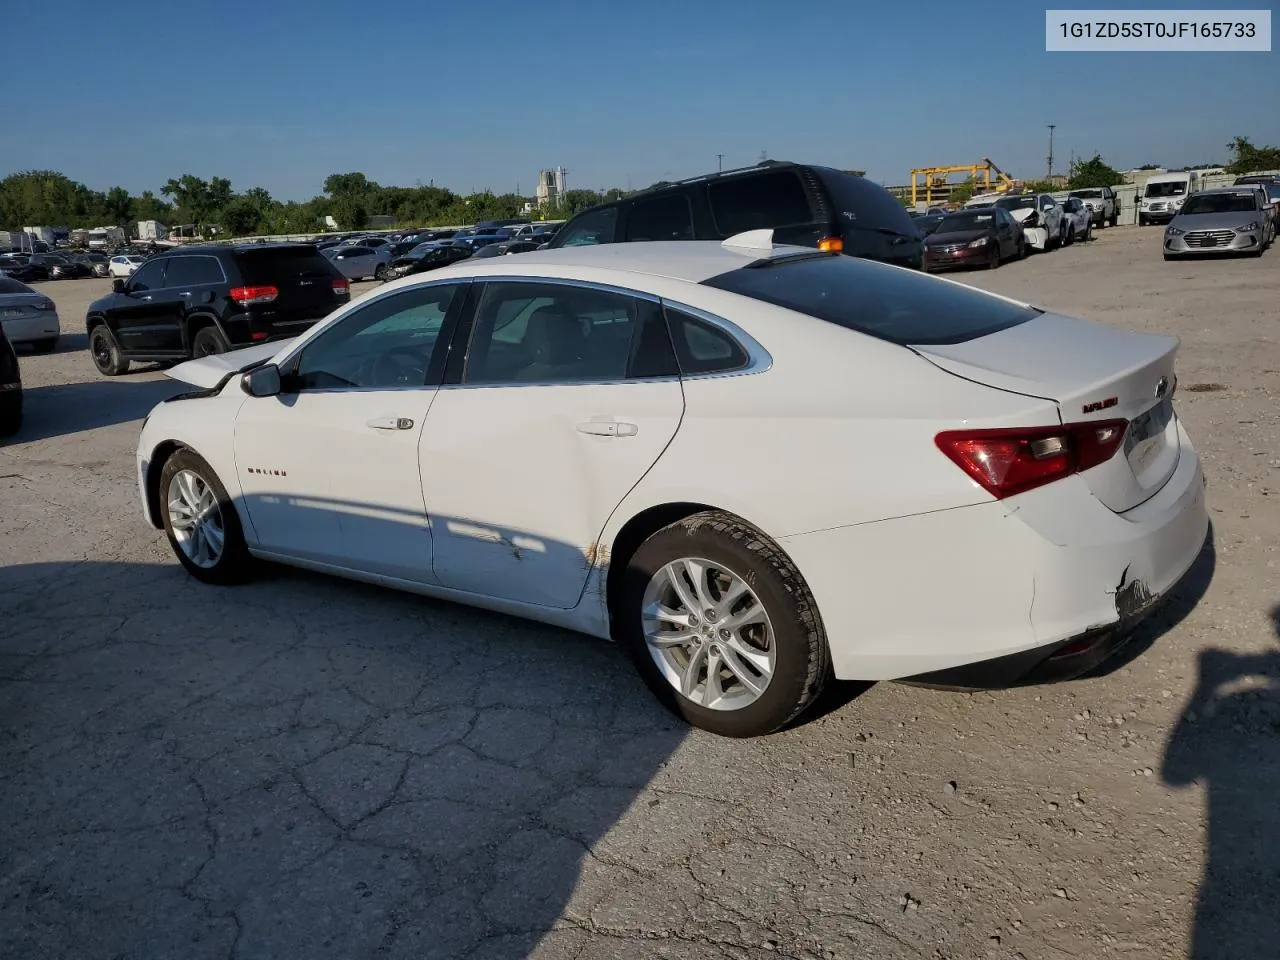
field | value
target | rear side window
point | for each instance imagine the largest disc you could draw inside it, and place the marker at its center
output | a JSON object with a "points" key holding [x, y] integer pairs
{"points": [[861, 203], [594, 226], [661, 218], [267, 266], [759, 200], [702, 348], [901, 306], [190, 271]]}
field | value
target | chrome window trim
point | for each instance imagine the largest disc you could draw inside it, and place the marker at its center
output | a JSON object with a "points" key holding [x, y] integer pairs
{"points": [[759, 359]]}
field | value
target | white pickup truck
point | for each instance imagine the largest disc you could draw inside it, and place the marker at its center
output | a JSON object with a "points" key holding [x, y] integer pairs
{"points": [[1103, 204]]}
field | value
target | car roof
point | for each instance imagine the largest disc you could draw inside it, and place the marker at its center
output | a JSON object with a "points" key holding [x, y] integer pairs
{"points": [[690, 260]]}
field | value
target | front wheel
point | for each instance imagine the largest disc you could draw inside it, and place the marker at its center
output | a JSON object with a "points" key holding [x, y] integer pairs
{"points": [[106, 354], [993, 261], [383, 273], [722, 627], [201, 522]]}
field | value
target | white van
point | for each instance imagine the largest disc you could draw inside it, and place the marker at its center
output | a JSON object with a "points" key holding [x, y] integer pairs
{"points": [[1164, 194]]}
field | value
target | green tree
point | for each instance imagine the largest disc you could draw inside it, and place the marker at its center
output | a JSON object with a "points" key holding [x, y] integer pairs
{"points": [[1149, 166], [1093, 172], [118, 205], [963, 192], [1249, 159]]}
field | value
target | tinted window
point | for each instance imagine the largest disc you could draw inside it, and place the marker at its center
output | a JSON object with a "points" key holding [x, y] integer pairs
{"points": [[191, 271], [13, 286], [661, 218], [545, 333], [149, 276], [348, 252], [901, 306], [755, 201], [702, 348], [962, 222], [389, 343], [861, 202], [594, 226], [271, 266]]}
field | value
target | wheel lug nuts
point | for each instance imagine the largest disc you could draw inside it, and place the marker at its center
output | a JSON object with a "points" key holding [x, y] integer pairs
{"points": [[724, 634], [693, 620]]}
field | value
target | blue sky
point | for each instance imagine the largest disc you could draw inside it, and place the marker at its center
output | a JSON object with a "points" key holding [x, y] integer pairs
{"points": [[280, 93]]}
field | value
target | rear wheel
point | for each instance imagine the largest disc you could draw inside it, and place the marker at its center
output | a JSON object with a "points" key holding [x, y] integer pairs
{"points": [[105, 352], [722, 627], [201, 522], [208, 341]]}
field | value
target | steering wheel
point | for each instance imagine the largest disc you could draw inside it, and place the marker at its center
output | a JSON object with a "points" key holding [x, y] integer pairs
{"points": [[400, 367]]}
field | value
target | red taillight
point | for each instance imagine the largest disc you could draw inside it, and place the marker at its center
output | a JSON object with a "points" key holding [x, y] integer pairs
{"points": [[1005, 462], [44, 305], [258, 335], [342, 287], [248, 295]]}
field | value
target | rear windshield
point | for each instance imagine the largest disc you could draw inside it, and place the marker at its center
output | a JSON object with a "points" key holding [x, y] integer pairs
{"points": [[864, 203], [892, 303], [1016, 203], [13, 286], [266, 266]]}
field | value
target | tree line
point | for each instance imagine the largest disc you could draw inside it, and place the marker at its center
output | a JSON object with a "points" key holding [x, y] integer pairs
{"points": [[50, 198]]}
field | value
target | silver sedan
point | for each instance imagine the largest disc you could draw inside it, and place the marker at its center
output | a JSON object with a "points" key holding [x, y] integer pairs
{"points": [[1227, 220], [359, 262]]}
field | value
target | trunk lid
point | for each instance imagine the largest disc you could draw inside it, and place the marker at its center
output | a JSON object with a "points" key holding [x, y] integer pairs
{"points": [[304, 278], [14, 306], [1093, 372]]}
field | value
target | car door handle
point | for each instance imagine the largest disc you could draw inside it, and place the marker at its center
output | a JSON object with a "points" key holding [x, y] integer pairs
{"points": [[390, 423], [607, 428]]}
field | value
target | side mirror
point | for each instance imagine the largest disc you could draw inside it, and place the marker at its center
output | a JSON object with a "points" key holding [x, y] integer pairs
{"points": [[117, 285], [262, 381]]}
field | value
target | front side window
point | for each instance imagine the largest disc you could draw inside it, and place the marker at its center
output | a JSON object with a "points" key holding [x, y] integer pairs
{"points": [[594, 226], [392, 342], [149, 276], [547, 333]]}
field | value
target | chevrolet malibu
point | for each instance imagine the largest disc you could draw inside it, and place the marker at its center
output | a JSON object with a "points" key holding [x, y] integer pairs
{"points": [[757, 467]]}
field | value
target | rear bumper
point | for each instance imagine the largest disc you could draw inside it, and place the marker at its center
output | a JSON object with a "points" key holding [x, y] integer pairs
{"points": [[1027, 576], [42, 326]]}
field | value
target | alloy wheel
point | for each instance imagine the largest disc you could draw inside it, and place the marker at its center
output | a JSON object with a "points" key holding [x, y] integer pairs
{"points": [[196, 519], [709, 633]]}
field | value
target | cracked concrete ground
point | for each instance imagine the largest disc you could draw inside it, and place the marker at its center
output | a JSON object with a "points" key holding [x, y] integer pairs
{"points": [[304, 767]]}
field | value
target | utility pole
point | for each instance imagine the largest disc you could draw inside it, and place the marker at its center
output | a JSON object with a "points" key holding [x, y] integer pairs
{"points": [[719, 162], [1051, 126]]}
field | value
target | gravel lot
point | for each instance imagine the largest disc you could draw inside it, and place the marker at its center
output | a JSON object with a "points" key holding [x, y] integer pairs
{"points": [[308, 768]]}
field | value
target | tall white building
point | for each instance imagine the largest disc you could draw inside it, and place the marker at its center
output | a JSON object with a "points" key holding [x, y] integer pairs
{"points": [[551, 186]]}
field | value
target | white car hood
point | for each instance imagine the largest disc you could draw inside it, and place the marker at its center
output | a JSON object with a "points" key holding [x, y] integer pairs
{"points": [[208, 372]]}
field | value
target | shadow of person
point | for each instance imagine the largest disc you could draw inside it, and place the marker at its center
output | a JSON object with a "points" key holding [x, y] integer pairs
{"points": [[1228, 740]]}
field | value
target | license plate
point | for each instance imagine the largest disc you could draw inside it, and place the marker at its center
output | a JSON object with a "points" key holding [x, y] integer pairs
{"points": [[1145, 429]]}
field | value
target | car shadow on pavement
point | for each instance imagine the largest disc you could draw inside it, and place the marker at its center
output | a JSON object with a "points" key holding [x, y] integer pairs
{"points": [[305, 766], [62, 409], [1227, 740]]}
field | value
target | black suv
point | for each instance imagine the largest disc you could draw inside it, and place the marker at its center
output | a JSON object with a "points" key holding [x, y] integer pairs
{"points": [[804, 204], [198, 300], [10, 388]]}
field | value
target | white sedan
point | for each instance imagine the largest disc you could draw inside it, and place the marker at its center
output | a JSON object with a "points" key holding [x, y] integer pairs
{"points": [[28, 317], [124, 265], [755, 466]]}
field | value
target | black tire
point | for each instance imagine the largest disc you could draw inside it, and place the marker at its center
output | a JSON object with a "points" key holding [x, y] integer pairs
{"points": [[993, 261], [1115, 218], [1167, 258], [10, 413], [105, 352], [383, 273], [208, 341], [1069, 236], [234, 565], [802, 663], [47, 345]]}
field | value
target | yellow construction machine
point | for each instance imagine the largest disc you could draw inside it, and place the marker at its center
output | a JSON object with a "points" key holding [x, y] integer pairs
{"points": [[985, 174]]}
